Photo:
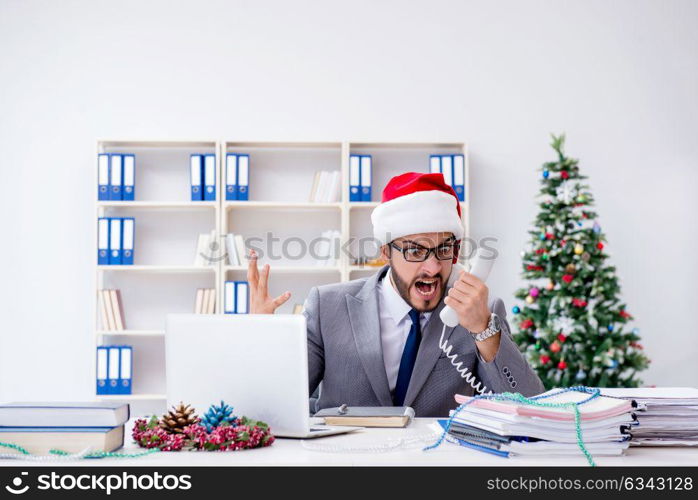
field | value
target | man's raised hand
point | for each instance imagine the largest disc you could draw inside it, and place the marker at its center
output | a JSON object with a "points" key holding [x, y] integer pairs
{"points": [[260, 301]]}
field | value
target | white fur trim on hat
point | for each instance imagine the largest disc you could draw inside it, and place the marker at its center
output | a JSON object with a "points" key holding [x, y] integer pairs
{"points": [[420, 212]]}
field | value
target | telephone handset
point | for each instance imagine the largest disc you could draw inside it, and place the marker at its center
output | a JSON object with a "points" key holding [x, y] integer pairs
{"points": [[480, 268]]}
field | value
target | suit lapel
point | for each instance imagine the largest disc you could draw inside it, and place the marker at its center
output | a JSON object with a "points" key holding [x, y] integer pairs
{"points": [[365, 325], [428, 354]]}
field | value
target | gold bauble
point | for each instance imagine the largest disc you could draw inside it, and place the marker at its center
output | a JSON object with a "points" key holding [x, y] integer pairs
{"points": [[529, 300], [578, 249], [570, 268]]}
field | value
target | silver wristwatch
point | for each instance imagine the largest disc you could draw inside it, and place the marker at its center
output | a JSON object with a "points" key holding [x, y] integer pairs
{"points": [[493, 328]]}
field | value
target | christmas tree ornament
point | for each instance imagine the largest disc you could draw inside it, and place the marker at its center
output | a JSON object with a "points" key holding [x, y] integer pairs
{"points": [[599, 245], [537, 334], [516, 309], [636, 331], [218, 415], [533, 292], [178, 418], [546, 174], [564, 174], [562, 365], [529, 299], [574, 318]]}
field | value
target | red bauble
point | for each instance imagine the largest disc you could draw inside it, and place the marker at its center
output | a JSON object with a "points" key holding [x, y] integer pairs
{"points": [[579, 303], [544, 359], [564, 174], [624, 314], [563, 243], [540, 251], [555, 347], [562, 365], [527, 323], [531, 267], [599, 245], [567, 278], [562, 337], [549, 236]]}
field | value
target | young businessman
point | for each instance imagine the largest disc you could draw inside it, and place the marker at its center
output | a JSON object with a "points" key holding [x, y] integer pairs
{"points": [[378, 341]]}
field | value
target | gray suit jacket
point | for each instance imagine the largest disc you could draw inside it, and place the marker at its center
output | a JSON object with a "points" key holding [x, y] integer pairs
{"points": [[345, 354]]}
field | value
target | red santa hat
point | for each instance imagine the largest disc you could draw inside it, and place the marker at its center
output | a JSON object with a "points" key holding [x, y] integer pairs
{"points": [[415, 203]]}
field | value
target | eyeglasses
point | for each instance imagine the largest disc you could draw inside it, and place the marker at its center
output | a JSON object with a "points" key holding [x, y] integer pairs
{"points": [[412, 252]]}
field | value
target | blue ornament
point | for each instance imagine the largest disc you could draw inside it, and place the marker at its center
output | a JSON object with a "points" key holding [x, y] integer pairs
{"points": [[546, 174], [536, 334], [636, 331], [610, 328], [614, 363], [516, 309], [580, 375], [542, 236], [579, 223]]}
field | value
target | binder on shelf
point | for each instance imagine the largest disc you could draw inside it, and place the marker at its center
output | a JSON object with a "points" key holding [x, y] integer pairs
{"points": [[231, 176], [102, 366], [229, 297], [103, 241], [354, 178], [210, 177], [114, 241], [366, 176], [128, 228], [447, 169], [195, 176], [241, 299], [115, 177], [125, 369], [128, 191], [103, 177], [113, 370], [459, 176], [435, 164], [243, 176]]}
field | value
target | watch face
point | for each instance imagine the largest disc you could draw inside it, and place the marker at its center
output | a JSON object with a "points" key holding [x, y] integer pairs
{"points": [[496, 322]]}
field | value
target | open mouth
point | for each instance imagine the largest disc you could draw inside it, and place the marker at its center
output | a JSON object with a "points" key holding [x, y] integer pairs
{"points": [[427, 287]]}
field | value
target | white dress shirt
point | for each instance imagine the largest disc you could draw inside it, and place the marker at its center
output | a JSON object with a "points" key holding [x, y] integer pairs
{"points": [[395, 324]]}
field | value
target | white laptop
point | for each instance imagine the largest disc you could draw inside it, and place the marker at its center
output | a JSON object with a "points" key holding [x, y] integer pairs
{"points": [[257, 363]]}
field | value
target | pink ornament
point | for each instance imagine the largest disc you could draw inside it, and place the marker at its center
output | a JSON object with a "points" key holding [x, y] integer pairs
{"points": [[533, 292]]}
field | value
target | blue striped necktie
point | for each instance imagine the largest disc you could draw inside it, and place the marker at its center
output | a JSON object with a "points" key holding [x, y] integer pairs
{"points": [[409, 355]]}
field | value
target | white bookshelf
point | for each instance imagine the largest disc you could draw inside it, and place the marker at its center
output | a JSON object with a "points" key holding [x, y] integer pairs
{"points": [[163, 279]]}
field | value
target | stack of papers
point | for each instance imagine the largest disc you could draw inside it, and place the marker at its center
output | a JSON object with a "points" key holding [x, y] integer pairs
{"points": [[512, 428], [667, 416]]}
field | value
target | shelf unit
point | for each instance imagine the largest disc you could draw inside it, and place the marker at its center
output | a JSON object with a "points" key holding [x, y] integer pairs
{"points": [[281, 176]]}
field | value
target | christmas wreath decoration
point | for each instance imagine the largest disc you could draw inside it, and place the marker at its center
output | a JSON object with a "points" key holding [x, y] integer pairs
{"points": [[220, 430]]}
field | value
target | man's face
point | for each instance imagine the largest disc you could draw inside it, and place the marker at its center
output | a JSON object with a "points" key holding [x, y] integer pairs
{"points": [[420, 284]]}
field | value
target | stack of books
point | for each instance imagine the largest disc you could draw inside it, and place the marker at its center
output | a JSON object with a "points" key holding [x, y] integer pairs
{"points": [[208, 250], [326, 187], [68, 427], [667, 416], [111, 310], [235, 247], [116, 176], [511, 428], [205, 301]]}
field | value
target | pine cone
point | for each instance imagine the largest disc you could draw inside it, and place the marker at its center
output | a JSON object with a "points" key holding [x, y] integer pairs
{"points": [[217, 416], [178, 418]]}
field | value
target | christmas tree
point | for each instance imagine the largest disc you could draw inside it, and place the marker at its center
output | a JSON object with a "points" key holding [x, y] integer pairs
{"points": [[572, 325]]}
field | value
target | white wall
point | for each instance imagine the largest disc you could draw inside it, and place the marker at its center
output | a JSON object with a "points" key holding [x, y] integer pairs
{"points": [[619, 77]]}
